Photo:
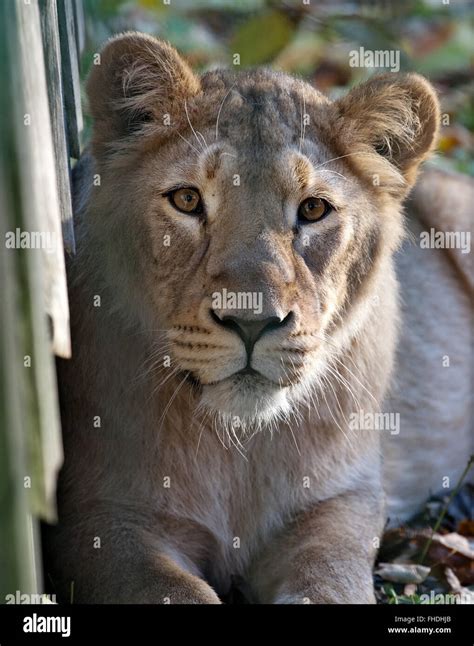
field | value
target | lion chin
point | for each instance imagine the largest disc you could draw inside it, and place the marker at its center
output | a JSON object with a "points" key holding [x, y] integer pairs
{"points": [[246, 402]]}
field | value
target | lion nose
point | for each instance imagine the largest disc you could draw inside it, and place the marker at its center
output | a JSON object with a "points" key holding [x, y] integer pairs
{"points": [[250, 330]]}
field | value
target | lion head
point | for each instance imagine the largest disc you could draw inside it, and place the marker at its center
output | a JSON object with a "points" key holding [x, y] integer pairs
{"points": [[246, 221]]}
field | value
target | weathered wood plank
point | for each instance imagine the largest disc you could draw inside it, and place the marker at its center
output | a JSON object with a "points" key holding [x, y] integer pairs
{"points": [[52, 54], [40, 190], [70, 76], [18, 568], [43, 280]]}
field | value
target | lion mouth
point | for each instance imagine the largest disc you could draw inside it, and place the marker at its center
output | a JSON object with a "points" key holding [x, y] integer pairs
{"points": [[245, 376], [248, 370], [246, 396]]}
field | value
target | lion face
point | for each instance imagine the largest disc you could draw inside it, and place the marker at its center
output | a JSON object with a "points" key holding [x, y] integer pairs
{"points": [[251, 247], [251, 220]]}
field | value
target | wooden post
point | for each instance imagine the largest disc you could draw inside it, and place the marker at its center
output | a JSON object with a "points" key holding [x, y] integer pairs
{"points": [[34, 316], [70, 75], [52, 54]]}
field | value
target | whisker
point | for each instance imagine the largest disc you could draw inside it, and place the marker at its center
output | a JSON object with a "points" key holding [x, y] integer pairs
{"points": [[172, 398], [191, 125], [332, 415], [200, 431], [326, 170], [188, 142], [221, 106], [340, 157]]}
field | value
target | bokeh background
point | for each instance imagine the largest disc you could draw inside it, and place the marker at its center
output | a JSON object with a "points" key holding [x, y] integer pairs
{"points": [[314, 40]]}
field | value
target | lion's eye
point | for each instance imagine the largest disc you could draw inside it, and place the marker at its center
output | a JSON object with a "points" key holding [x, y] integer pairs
{"points": [[186, 200], [313, 209]]}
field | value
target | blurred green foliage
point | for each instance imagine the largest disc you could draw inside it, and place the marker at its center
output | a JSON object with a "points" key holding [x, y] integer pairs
{"points": [[315, 40], [252, 47]]}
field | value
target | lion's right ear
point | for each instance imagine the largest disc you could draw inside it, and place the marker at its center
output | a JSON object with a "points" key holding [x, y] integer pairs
{"points": [[397, 117], [138, 80]]}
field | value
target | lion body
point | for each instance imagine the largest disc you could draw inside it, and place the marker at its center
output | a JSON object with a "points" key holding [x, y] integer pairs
{"points": [[432, 384], [182, 475]]}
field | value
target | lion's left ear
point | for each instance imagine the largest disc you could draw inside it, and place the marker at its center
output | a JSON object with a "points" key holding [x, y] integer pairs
{"points": [[140, 80], [397, 115]]}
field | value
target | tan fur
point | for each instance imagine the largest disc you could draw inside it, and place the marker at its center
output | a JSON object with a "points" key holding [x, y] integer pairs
{"points": [[289, 499]]}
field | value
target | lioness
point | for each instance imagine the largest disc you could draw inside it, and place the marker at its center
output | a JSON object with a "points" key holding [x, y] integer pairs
{"points": [[234, 303]]}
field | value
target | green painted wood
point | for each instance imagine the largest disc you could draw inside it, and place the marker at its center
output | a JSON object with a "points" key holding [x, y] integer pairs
{"points": [[18, 570], [18, 567]]}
